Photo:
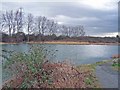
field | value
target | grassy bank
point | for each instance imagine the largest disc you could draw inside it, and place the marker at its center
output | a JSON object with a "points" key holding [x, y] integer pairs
{"points": [[32, 70], [73, 43], [57, 75], [90, 77], [65, 43], [6, 43], [60, 75], [91, 80], [116, 65]]}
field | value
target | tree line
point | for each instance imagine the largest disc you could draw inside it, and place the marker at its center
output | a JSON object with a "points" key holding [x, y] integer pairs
{"points": [[17, 26]]}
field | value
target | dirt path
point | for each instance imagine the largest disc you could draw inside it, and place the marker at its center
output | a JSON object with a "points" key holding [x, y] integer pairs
{"points": [[107, 77]]}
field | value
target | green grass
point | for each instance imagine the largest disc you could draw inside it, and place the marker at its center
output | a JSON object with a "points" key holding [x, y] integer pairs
{"points": [[89, 81], [116, 66], [90, 78]]}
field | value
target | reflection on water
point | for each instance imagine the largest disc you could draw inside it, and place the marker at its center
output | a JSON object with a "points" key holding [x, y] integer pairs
{"points": [[77, 54]]}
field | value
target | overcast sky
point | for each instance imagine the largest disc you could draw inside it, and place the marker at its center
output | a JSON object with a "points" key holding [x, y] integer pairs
{"points": [[99, 17]]}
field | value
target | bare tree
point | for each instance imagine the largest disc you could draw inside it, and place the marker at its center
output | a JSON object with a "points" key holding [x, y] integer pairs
{"points": [[78, 31], [38, 26], [19, 19], [82, 31], [75, 31], [2, 23], [69, 31], [64, 30], [30, 24], [43, 25], [7, 21], [12, 21], [52, 27]]}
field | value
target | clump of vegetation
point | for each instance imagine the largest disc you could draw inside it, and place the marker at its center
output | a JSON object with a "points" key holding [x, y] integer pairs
{"points": [[32, 70], [116, 65], [27, 67], [89, 75]]}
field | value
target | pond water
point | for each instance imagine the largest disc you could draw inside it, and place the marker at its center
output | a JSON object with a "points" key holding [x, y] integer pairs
{"points": [[77, 54]]}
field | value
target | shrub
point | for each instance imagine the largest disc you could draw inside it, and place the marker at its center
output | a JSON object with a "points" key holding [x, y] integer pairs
{"points": [[29, 65]]}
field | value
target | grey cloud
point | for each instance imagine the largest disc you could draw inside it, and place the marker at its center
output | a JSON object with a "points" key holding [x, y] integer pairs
{"points": [[106, 20]]}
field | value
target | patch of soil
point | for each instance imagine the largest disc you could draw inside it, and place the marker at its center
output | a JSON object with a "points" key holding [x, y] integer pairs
{"points": [[63, 75]]}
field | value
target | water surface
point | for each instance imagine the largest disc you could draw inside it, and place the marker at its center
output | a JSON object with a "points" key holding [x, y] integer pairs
{"points": [[77, 54]]}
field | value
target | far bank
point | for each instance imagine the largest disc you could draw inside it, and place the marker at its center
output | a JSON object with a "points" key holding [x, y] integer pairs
{"points": [[63, 42]]}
